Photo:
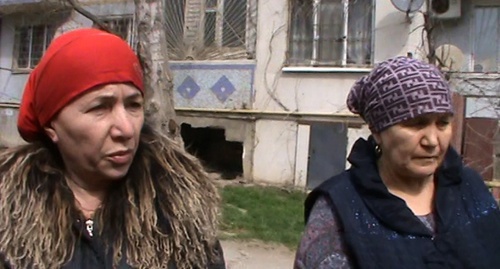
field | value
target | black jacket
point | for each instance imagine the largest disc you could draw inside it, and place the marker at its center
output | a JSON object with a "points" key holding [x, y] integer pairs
{"points": [[382, 232], [90, 253]]}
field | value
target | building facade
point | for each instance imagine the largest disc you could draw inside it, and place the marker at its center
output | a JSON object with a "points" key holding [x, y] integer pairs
{"points": [[260, 85]]}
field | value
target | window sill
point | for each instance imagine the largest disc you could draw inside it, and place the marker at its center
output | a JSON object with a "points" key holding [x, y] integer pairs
{"points": [[21, 71], [311, 69]]}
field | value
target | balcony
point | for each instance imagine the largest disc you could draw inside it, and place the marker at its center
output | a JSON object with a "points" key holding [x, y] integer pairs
{"points": [[16, 6]]}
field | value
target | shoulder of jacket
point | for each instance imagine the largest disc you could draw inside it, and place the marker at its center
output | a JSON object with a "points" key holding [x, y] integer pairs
{"points": [[335, 181]]}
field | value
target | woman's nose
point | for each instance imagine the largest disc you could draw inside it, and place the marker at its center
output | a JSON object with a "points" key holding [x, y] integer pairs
{"points": [[122, 125], [430, 138]]}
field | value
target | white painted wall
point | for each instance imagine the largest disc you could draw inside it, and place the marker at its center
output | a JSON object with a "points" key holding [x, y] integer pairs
{"points": [[281, 149], [301, 155], [274, 152], [353, 134], [11, 84], [394, 35]]}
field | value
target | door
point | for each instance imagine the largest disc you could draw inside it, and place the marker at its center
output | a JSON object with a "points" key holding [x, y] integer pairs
{"points": [[327, 152]]}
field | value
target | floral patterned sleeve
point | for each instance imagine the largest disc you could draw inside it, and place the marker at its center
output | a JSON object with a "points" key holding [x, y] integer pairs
{"points": [[322, 246]]}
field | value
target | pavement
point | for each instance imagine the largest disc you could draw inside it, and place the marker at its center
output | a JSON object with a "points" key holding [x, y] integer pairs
{"points": [[256, 255]]}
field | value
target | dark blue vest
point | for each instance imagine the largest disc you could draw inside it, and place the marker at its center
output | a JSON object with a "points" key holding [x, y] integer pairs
{"points": [[380, 231]]}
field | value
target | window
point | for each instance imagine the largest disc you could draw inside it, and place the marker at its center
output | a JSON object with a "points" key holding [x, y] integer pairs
{"points": [[233, 18], [30, 43], [486, 50], [331, 33], [210, 29], [122, 26]]}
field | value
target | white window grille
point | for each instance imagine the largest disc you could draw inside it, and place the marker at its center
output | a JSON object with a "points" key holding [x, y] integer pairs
{"points": [[210, 29], [122, 26], [486, 48], [30, 43], [331, 33]]}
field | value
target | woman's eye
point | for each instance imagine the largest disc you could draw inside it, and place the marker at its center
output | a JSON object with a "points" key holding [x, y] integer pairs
{"points": [[97, 108], [443, 122], [136, 105]]}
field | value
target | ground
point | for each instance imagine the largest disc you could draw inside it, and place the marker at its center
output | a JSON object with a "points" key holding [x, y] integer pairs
{"points": [[256, 255]]}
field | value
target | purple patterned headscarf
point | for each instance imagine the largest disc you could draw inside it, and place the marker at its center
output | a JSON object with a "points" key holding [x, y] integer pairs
{"points": [[399, 89]]}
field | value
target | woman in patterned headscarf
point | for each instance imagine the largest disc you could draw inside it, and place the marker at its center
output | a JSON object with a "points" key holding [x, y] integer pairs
{"points": [[407, 201], [96, 186]]}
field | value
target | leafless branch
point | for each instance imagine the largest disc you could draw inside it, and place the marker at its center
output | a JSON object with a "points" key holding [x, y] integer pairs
{"points": [[272, 90], [78, 8]]}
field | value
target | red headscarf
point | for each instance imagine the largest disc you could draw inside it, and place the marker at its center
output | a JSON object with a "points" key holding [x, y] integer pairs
{"points": [[74, 63]]}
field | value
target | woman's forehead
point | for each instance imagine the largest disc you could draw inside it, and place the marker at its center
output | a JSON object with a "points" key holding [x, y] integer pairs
{"points": [[107, 92], [111, 90]]}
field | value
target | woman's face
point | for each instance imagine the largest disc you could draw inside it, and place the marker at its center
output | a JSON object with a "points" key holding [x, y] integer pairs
{"points": [[415, 148], [98, 133]]}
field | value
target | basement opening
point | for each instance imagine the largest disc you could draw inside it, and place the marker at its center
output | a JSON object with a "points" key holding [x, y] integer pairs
{"points": [[215, 153]]}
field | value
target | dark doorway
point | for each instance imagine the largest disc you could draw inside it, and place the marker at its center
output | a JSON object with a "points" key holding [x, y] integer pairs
{"points": [[216, 153], [327, 152]]}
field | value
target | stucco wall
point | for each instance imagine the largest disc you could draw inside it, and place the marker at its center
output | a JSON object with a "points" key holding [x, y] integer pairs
{"points": [[277, 88], [314, 91], [274, 151], [11, 84]]}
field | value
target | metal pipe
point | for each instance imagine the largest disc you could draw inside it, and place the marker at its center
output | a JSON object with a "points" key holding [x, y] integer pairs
{"points": [[316, 34], [345, 32]]}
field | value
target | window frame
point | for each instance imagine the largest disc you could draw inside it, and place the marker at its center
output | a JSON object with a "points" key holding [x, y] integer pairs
{"points": [[194, 32], [472, 61], [53, 19], [131, 38], [314, 61], [17, 44]]}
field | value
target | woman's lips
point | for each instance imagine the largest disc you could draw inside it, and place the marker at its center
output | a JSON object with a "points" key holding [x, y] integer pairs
{"points": [[120, 157]]}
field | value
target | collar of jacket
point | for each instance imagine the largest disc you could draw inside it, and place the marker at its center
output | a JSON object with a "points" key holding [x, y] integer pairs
{"points": [[392, 210]]}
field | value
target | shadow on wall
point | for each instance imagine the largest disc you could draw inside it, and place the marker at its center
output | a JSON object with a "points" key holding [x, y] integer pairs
{"points": [[216, 153]]}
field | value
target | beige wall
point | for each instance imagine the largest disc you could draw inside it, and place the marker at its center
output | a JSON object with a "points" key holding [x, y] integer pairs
{"points": [[274, 151]]}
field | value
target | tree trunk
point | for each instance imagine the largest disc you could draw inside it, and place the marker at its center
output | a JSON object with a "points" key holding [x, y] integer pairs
{"points": [[152, 50]]}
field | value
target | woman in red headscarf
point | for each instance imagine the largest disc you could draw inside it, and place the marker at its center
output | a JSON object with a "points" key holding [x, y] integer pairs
{"points": [[96, 186]]}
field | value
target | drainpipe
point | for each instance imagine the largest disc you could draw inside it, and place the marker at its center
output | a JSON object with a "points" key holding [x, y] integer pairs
{"points": [[316, 36], [345, 32]]}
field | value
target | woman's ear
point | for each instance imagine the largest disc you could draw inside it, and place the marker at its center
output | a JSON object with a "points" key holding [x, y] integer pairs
{"points": [[51, 133]]}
